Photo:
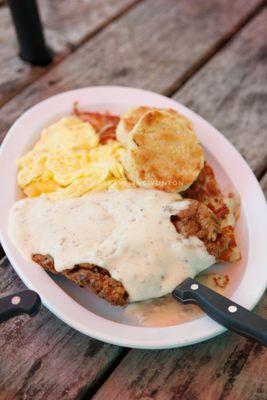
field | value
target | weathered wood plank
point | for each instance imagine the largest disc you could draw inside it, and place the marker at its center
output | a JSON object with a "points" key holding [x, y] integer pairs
{"points": [[15, 73], [174, 37], [42, 358], [66, 23], [228, 367], [70, 23], [227, 363], [231, 92], [151, 59]]}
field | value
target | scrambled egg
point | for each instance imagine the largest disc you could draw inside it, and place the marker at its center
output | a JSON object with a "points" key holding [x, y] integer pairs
{"points": [[68, 161]]}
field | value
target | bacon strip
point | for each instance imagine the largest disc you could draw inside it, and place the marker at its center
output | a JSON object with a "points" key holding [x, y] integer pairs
{"points": [[105, 124]]}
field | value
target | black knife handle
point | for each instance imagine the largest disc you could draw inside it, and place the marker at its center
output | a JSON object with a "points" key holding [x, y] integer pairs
{"points": [[25, 302], [223, 310]]}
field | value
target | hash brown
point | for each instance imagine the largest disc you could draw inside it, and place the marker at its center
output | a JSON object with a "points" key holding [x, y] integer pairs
{"points": [[207, 191]]}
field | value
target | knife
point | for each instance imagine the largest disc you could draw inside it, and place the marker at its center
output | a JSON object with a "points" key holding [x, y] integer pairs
{"points": [[25, 302], [223, 310]]}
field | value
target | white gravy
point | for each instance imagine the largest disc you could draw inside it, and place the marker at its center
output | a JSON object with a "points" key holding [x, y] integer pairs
{"points": [[166, 311], [163, 311], [128, 232]]}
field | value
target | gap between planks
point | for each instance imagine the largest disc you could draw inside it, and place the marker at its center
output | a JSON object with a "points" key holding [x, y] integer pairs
{"points": [[58, 58], [89, 394], [248, 347], [221, 43], [90, 390], [108, 372], [61, 57], [205, 58]]}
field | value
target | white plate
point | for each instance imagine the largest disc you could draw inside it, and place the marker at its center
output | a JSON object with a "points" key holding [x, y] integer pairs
{"points": [[84, 311]]}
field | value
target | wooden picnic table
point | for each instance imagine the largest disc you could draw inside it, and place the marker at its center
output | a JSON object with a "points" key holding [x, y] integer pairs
{"points": [[210, 55]]}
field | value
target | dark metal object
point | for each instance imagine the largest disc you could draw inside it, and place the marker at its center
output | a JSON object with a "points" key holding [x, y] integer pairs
{"points": [[25, 302], [29, 30], [223, 310]]}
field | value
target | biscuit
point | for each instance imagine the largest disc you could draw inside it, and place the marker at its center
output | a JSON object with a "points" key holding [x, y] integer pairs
{"points": [[163, 152], [128, 121]]}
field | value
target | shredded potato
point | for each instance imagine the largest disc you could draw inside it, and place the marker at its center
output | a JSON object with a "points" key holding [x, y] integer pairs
{"points": [[105, 124]]}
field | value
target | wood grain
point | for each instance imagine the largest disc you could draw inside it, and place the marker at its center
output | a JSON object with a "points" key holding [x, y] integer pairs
{"points": [[15, 73], [226, 368], [231, 92], [218, 369], [178, 36], [42, 358], [71, 22], [67, 24]]}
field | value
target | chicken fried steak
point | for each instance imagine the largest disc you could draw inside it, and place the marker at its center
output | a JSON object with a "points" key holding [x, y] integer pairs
{"points": [[89, 276], [196, 220]]}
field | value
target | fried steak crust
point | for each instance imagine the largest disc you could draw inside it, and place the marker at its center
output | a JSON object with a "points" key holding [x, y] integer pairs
{"points": [[197, 220], [91, 277]]}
